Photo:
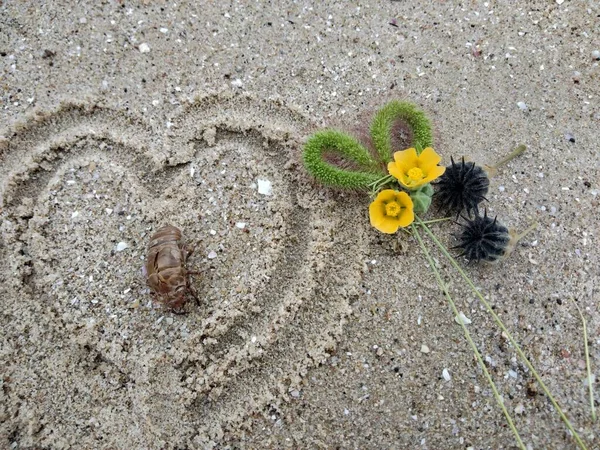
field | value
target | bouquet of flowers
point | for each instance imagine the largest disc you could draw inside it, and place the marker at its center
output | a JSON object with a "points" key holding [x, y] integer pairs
{"points": [[401, 190]]}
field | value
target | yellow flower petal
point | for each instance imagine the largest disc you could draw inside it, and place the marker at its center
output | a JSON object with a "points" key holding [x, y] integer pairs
{"points": [[406, 159], [434, 173], [429, 158], [395, 170], [406, 218]]}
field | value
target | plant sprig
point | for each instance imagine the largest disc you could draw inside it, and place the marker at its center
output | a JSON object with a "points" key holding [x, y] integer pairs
{"points": [[511, 339], [444, 288]]}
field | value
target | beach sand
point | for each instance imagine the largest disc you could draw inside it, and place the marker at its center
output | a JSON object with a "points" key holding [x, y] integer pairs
{"points": [[313, 329]]}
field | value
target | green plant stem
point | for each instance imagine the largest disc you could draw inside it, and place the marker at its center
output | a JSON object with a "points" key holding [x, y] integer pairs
{"points": [[587, 361], [443, 219], [469, 338], [378, 184], [493, 169], [519, 150], [508, 334]]}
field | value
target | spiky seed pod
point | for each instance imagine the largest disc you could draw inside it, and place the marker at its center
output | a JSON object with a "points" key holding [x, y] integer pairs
{"points": [[483, 239], [463, 186]]}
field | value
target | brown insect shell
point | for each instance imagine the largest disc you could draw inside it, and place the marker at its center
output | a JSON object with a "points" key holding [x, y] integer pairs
{"points": [[165, 266]]}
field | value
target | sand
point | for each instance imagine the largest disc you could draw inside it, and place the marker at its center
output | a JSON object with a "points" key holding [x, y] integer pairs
{"points": [[313, 329]]}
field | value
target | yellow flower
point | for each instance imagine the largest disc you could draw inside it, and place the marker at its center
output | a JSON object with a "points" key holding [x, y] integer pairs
{"points": [[391, 210], [414, 171]]}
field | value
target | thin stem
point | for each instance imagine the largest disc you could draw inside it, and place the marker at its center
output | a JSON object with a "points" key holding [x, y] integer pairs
{"points": [[524, 233], [506, 332], [443, 219], [516, 152], [378, 184], [587, 361], [493, 169], [469, 338]]}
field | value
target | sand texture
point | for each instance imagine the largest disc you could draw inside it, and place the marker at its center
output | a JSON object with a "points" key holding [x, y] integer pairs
{"points": [[313, 330]]}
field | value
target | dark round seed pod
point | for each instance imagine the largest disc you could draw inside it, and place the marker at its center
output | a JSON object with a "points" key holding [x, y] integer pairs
{"points": [[483, 239], [462, 187]]}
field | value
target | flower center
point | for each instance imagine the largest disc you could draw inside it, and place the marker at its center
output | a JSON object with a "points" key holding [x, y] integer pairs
{"points": [[392, 209], [416, 174]]}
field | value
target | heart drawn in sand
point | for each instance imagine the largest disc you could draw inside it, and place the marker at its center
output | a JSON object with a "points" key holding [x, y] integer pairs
{"points": [[83, 188]]}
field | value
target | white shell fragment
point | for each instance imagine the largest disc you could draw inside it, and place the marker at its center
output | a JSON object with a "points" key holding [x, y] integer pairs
{"points": [[121, 246], [446, 375], [264, 187], [462, 319]]}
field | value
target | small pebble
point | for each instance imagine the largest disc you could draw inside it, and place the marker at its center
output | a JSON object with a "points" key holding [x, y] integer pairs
{"points": [[264, 187], [596, 54], [212, 255], [462, 319], [569, 137], [522, 106], [424, 349], [519, 409], [144, 48], [241, 225], [446, 375], [75, 214], [121, 246], [295, 393]]}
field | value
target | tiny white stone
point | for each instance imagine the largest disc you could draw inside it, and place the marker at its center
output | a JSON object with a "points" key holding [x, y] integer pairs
{"points": [[424, 349], [75, 214], [295, 393], [596, 54], [237, 83], [522, 106], [560, 2], [253, 339], [83, 20], [213, 232], [121, 246], [144, 48], [501, 188], [264, 187], [192, 171], [512, 374], [346, 412], [108, 211], [446, 374], [462, 319], [155, 102], [586, 380], [519, 409], [212, 255], [164, 30], [241, 225], [71, 182]]}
